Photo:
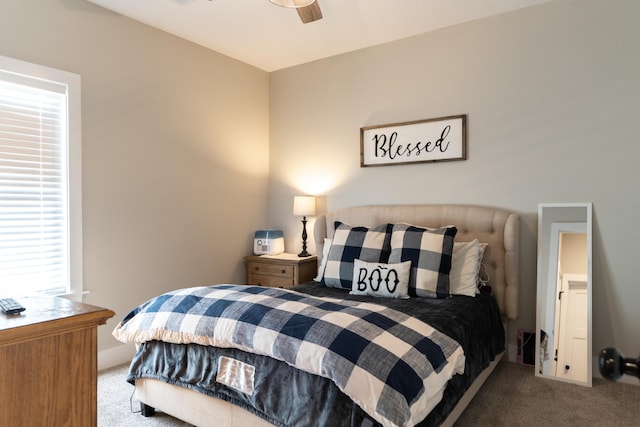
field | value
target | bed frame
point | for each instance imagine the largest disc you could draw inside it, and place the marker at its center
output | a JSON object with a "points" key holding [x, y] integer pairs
{"points": [[498, 228]]}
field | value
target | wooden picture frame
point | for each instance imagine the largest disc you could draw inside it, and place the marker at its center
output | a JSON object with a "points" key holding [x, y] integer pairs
{"points": [[430, 140]]}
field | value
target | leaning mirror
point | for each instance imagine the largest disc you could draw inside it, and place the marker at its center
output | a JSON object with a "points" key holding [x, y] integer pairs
{"points": [[563, 315]]}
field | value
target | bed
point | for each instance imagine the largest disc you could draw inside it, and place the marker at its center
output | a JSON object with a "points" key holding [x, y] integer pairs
{"points": [[193, 392]]}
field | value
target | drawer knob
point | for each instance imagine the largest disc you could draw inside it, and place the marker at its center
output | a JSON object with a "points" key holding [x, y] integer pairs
{"points": [[283, 271], [257, 268]]}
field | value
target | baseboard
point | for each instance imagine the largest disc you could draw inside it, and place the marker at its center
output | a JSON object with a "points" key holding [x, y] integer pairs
{"points": [[628, 379], [115, 356], [512, 356], [512, 353]]}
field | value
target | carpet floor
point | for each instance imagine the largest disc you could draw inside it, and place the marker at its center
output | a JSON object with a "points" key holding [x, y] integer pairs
{"points": [[117, 408], [512, 396]]}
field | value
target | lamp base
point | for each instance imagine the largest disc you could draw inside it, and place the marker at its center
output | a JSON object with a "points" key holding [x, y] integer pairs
{"points": [[304, 252]]}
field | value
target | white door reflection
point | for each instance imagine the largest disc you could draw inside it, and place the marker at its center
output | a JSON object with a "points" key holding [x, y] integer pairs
{"points": [[564, 302]]}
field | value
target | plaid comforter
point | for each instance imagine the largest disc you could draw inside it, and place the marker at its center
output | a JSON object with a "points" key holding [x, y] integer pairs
{"points": [[392, 365]]}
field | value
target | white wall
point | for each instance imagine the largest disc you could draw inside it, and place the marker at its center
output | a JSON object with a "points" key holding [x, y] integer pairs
{"points": [[174, 141], [552, 96]]}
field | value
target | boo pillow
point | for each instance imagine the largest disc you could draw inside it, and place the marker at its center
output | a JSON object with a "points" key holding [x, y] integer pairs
{"points": [[381, 280], [351, 243], [430, 252]]}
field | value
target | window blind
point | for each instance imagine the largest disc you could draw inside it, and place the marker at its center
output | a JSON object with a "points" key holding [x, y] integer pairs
{"points": [[34, 246]]}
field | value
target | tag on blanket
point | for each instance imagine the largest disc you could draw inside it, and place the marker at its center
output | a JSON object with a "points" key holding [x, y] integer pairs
{"points": [[236, 374]]}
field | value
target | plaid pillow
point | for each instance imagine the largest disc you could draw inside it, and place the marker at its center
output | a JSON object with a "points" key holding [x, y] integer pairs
{"points": [[430, 252], [350, 243]]}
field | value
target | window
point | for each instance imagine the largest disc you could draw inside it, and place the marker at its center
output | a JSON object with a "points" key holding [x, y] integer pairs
{"points": [[40, 180]]}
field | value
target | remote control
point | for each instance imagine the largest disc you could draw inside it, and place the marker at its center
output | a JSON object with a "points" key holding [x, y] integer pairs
{"points": [[10, 306]]}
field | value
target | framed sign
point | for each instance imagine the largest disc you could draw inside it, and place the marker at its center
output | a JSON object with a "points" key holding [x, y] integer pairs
{"points": [[430, 140]]}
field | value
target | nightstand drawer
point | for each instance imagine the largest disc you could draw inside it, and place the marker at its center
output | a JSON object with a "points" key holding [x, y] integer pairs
{"points": [[271, 269], [272, 281], [280, 271]]}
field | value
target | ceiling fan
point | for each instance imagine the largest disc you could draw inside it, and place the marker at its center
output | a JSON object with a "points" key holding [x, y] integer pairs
{"points": [[308, 10]]}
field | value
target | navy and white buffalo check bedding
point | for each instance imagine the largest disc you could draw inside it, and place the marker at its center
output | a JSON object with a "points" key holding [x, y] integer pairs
{"points": [[393, 365]]}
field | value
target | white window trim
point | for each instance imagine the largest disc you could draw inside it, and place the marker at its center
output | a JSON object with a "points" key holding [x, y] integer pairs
{"points": [[73, 84]]}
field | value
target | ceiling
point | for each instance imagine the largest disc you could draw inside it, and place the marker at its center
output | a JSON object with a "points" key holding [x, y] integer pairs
{"points": [[271, 37]]}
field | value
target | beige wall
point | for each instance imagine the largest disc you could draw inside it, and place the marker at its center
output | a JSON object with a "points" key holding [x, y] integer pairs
{"points": [[552, 95], [175, 148], [176, 140], [574, 256]]}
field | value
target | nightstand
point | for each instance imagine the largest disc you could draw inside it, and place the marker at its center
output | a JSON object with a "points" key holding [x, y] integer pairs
{"points": [[280, 271]]}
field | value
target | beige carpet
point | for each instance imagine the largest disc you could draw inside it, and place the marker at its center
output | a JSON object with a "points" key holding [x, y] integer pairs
{"points": [[115, 406], [512, 396]]}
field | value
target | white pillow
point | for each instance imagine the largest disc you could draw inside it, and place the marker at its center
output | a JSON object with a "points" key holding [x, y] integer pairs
{"points": [[381, 280], [323, 261], [465, 267]]}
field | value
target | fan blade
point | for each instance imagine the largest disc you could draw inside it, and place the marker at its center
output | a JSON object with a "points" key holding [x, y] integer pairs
{"points": [[310, 13]]}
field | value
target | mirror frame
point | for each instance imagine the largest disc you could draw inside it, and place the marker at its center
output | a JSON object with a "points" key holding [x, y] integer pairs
{"points": [[551, 217]]}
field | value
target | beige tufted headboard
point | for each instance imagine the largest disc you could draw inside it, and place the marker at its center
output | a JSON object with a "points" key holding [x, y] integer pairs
{"points": [[499, 228]]}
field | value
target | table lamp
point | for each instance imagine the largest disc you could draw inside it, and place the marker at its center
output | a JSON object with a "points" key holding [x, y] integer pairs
{"points": [[304, 206]]}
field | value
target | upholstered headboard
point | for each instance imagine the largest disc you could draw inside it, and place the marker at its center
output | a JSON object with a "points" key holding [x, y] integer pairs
{"points": [[500, 229]]}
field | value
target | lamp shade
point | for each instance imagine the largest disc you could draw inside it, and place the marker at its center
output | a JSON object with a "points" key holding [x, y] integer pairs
{"points": [[304, 205], [292, 3]]}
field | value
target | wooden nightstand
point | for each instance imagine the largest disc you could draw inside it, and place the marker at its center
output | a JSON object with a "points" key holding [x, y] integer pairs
{"points": [[280, 271]]}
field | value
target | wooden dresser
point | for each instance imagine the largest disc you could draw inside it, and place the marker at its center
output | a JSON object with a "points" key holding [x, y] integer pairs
{"points": [[280, 271], [48, 363]]}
